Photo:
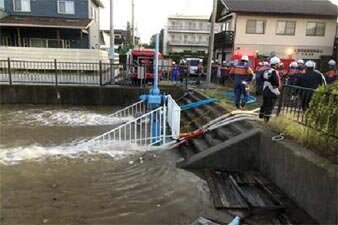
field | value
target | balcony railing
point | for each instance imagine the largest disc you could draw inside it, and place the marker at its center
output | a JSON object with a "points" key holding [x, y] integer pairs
{"points": [[191, 28], [224, 39], [192, 43]]}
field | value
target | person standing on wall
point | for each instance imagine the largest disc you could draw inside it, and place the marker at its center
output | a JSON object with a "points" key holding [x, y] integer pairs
{"points": [[242, 75], [331, 74], [271, 87]]}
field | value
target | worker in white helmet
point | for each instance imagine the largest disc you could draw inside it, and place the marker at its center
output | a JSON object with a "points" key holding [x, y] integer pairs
{"points": [[261, 68], [331, 74], [312, 79], [301, 67], [271, 88], [292, 73], [242, 75]]}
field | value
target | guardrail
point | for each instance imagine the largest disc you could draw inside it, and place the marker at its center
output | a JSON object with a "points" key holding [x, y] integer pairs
{"points": [[56, 73], [295, 102]]}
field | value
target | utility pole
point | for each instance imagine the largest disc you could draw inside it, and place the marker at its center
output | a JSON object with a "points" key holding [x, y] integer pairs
{"points": [[112, 49], [211, 41], [133, 21]]}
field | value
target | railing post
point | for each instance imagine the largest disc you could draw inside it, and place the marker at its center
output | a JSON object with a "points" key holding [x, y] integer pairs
{"points": [[56, 72], [281, 97], [9, 71], [100, 72]]}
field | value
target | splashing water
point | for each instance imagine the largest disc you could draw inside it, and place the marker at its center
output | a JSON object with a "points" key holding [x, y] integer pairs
{"points": [[73, 117], [116, 151]]}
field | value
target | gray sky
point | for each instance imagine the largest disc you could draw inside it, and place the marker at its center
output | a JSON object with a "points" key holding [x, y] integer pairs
{"points": [[151, 15]]}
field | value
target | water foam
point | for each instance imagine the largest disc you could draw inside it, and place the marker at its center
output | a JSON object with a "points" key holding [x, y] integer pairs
{"points": [[65, 117], [11, 156]]}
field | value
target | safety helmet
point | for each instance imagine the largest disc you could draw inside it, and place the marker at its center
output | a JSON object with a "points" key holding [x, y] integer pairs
{"points": [[260, 64], [332, 62], [174, 63], [245, 58], [274, 60], [212, 61], [300, 61], [293, 64], [310, 64], [201, 60], [224, 62], [265, 63]]}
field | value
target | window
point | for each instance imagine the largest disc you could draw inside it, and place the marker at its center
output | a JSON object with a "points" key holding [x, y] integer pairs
{"points": [[286, 27], [66, 7], [22, 5], [255, 27], [315, 29]]}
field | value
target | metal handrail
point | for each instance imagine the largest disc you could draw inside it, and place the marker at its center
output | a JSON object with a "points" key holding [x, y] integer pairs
{"points": [[137, 131], [131, 111]]}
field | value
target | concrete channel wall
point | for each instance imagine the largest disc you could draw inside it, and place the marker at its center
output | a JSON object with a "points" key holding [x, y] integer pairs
{"points": [[76, 95], [311, 181]]}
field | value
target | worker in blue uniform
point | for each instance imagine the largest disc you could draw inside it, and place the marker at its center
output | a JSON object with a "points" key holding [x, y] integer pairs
{"points": [[242, 75]]}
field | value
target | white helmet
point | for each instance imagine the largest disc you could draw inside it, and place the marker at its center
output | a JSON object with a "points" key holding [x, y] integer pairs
{"points": [[245, 58], [274, 60], [212, 61], [265, 63], [300, 61], [310, 64], [174, 63], [260, 64], [332, 62], [224, 62], [201, 60], [294, 64]]}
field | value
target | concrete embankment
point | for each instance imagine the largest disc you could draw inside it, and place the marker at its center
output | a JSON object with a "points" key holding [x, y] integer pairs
{"points": [[76, 95], [308, 179]]}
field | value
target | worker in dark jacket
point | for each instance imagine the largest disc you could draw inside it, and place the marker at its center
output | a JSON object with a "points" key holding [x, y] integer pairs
{"points": [[292, 74], [312, 79], [331, 74], [242, 74], [272, 84]]}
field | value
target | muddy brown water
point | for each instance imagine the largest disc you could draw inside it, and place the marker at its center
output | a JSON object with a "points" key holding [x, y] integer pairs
{"points": [[45, 179]]}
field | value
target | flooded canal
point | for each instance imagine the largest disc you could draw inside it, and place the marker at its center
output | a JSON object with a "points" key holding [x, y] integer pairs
{"points": [[47, 179]]}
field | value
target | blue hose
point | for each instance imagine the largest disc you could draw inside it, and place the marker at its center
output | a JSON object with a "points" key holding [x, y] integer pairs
{"points": [[198, 104], [231, 95]]}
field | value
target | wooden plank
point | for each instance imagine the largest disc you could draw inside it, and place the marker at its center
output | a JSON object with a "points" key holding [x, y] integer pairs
{"points": [[213, 190], [234, 198], [269, 193]]}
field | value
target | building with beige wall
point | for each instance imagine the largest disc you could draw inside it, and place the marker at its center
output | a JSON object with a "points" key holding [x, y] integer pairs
{"points": [[187, 34], [302, 29]]}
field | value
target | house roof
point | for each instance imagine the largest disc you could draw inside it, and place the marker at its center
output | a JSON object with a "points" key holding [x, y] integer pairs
{"points": [[48, 22], [98, 3], [319, 8]]}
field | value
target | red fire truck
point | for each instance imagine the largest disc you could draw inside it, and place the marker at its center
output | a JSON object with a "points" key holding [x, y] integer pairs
{"points": [[254, 60], [140, 65]]}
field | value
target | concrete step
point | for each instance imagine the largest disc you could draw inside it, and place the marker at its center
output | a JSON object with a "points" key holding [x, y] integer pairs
{"points": [[200, 144]]}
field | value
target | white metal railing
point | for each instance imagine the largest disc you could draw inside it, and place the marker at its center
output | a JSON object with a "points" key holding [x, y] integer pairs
{"points": [[138, 131], [174, 117], [134, 110], [142, 131]]}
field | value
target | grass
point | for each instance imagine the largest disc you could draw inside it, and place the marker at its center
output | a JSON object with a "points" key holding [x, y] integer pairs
{"points": [[322, 145]]}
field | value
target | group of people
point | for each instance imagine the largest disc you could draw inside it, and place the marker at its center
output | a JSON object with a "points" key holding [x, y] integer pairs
{"points": [[270, 76], [181, 71]]}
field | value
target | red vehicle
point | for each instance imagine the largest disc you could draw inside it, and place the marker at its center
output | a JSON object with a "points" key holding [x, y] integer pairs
{"points": [[141, 65], [253, 60]]}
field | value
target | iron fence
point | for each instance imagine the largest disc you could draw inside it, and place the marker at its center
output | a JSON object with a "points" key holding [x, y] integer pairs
{"points": [[296, 102], [57, 73], [99, 74]]}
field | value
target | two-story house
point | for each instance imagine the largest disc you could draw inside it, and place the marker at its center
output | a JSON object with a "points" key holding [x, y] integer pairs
{"points": [[187, 34], [292, 29], [51, 24]]}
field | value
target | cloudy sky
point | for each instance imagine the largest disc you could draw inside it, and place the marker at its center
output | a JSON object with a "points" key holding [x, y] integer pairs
{"points": [[151, 15]]}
